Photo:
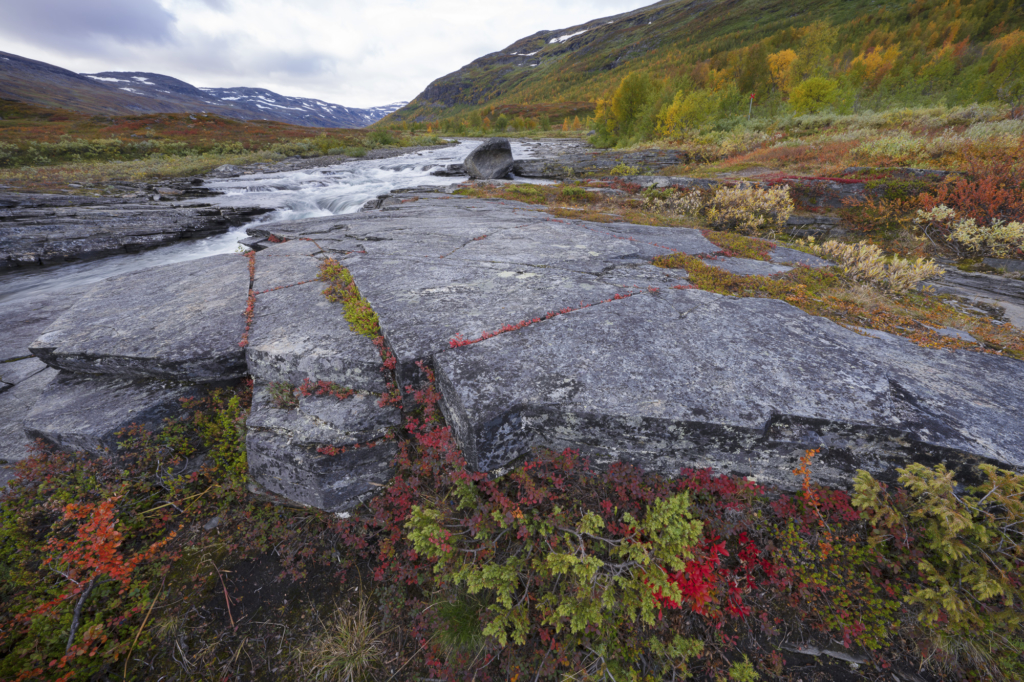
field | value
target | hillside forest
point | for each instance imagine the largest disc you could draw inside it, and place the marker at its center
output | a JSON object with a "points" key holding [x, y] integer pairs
{"points": [[928, 53]]}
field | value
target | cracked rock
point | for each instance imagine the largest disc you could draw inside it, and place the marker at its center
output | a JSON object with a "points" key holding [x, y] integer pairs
{"points": [[326, 453], [180, 322], [84, 413], [690, 378]]}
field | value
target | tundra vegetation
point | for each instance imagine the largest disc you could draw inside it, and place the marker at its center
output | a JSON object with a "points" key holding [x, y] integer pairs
{"points": [[48, 149], [162, 564]]}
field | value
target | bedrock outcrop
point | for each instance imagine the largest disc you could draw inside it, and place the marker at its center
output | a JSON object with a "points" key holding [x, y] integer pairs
{"points": [[546, 332], [543, 332], [44, 229]]}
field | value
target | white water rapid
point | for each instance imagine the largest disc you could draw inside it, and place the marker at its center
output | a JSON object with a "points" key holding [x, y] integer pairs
{"points": [[331, 190]]}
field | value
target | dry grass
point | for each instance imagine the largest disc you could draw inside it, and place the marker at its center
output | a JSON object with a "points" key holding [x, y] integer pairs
{"points": [[351, 646]]}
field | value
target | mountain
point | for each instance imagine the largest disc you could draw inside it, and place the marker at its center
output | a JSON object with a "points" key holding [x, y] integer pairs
{"points": [[715, 43], [117, 92]]}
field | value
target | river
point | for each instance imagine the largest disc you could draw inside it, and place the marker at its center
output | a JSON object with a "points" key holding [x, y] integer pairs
{"points": [[331, 190]]}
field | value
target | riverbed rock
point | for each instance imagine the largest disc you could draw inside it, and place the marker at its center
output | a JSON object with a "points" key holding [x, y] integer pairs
{"points": [[297, 334], [22, 321], [690, 378], [15, 404], [50, 229], [13, 373], [180, 322], [84, 413], [490, 161], [990, 290]]}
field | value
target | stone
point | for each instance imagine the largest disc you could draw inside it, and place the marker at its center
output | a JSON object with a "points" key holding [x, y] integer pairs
{"points": [[492, 160], [424, 304], [1005, 264], [13, 373], [785, 256], [49, 229], [581, 161], [993, 290], [275, 271], [84, 413], [23, 320], [326, 453], [180, 322], [297, 334], [694, 379], [15, 404], [747, 267]]}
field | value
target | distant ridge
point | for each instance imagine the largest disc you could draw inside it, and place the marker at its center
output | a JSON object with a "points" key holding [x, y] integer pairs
{"points": [[116, 92]]}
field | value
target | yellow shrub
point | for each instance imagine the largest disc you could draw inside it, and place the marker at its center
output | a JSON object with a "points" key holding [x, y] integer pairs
{"points": [[998, 238], [867, 263], [747, 208]]}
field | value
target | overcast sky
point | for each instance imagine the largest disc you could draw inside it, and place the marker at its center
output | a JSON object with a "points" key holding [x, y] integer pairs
{"points": [[354, 52]]}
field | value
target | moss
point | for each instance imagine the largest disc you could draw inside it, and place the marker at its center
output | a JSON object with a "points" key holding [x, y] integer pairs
{"points": [[915, 316], [897, 189]]}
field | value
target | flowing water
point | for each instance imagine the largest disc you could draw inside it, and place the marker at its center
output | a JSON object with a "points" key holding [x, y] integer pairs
{"points": [[331, 190]]}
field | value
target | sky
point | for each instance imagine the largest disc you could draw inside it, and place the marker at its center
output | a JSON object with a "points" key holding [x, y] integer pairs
{"points": [[358, 53]]}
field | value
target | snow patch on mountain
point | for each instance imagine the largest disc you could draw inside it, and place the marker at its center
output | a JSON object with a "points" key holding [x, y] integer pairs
{"points": [[171, 94], [562, 39]]}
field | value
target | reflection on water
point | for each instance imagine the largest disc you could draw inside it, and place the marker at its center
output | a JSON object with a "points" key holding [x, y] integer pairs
{"points": [[332, 190]]}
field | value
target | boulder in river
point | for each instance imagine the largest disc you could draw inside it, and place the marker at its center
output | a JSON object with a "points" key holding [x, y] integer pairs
{"points": [[490, 161]]}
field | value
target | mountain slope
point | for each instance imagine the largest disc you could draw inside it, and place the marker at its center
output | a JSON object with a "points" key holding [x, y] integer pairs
{"points": [[36, 82], [676, 38]]}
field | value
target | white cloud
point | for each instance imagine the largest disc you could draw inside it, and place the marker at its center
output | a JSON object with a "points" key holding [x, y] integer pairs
{"points": [[353, 52]]}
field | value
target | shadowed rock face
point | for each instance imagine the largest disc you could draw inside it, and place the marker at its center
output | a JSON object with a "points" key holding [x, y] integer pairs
{"points": [[84, 413], [492, 160]]}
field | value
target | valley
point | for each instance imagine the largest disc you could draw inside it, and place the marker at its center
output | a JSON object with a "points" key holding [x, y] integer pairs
{"points": [[685, 343]]}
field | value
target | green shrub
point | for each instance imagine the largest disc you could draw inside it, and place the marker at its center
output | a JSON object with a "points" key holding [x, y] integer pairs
{"points": [[381, 138], [573, 193], [970, 595], [813, 95]]}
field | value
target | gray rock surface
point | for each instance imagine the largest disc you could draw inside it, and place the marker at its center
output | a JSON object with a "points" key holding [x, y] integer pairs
{"points": [[490, 161], [1007, 264], [13, 373], [52, 229], [618, 358], [690, 378], [583, 162], [991, 290], [15, 404], [83, 413], [287, 448], [297, 334], [182, 322], [22, 321]]}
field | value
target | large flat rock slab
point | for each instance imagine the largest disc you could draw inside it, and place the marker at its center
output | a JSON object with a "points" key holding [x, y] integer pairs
{"points": [[298, 334], [84, 413], [690, 378], [15, 404], [13, 373], [424, 304], [21, 322], [52, 229], [326, 453], [179, 322]]}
